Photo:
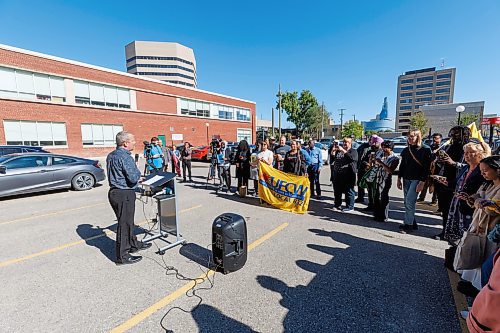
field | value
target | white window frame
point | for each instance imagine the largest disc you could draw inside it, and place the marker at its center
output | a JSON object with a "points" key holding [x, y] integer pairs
{"points": [[116, 128], [25, 137]]}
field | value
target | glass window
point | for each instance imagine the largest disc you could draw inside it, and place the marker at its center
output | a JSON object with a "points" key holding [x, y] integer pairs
{"points": [[96, 94], [100, 134], [42, 85], [184, 104], [443, 83], [424, 85], [25, 82], [27, 162], [442, 98], [406, 107], [408, 100], [425, 78], [244, 134], [57, 86], [423, 92], [444, 76], [111, 96], [406, 94], [82, 89], [407, 88], [424, 99], [442, 90], [62, 160], [7, 79], [123, 98], [35, 133], [406, 81]]}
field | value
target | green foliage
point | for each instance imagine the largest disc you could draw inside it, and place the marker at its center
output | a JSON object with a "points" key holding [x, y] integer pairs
{"points": [[370, 132], [468, 118], [352, 127], [418, 121], [300, 109]]}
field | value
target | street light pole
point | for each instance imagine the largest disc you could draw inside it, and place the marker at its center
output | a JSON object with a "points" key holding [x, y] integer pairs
{"points": [[207, 124], [279, 111], [322, 118], [341, 120], [459, 110]]}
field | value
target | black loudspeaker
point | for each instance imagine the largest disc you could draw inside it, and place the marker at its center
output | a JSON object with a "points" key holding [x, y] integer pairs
{"points": [[229, 242]]}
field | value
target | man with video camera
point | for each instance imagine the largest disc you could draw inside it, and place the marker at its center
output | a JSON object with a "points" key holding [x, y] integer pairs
{"points": [[153, 155]]}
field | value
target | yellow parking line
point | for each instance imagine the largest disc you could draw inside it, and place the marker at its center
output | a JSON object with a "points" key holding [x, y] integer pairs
{"points": [[65, 246], [459, 298], [182, 290], [50, 214]]}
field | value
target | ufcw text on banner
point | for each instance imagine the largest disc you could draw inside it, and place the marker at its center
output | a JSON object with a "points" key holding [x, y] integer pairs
{"points": [[283, 190]]}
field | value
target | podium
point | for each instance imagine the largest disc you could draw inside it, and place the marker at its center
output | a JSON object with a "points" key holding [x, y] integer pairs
{"points": [[162, 187]]}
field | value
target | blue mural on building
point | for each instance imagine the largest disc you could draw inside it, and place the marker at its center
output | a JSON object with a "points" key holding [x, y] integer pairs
{"points": [[381, 121]]}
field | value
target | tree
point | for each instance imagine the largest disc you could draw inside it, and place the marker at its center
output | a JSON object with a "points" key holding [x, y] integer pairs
{"points": [[298, 108], [316, 118], [352, 127], [468, 118], [418, 121], [370, 132]]}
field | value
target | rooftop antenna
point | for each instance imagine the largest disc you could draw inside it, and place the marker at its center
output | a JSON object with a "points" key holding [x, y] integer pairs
{"points": [[442, 63]]}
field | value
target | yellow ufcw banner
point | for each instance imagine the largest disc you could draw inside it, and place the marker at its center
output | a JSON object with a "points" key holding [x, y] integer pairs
{"points": [[283, 190]]}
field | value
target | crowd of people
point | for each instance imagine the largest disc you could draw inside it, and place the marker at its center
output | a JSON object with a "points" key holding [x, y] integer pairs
{"points": [[464, 179], [461, 174]]}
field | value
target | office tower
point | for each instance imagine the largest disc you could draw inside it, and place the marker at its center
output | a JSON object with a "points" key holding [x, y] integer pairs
{"points": [[422, 87], [168, 62]]}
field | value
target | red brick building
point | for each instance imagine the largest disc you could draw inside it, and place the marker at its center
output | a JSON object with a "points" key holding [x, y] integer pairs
{"points": [[75, 108]]}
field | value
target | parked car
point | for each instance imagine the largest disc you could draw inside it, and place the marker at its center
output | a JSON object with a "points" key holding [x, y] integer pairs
{"points": [[5, 150], [36, 172], [326, 141], [200, 153]]}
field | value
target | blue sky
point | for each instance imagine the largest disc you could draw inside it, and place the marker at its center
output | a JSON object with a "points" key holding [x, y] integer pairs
{"points": [[348, 53]]}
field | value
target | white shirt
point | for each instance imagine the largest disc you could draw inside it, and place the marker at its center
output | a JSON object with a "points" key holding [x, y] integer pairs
{"points": [[267, 156]]}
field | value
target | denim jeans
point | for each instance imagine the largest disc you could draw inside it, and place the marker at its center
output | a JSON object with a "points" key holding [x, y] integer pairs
{"points": [[410, 198]]}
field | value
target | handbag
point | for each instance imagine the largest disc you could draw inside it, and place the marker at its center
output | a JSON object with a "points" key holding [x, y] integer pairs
{"points": [[470, 250]]}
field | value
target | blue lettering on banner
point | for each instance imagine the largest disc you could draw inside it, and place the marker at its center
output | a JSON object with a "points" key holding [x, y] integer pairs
{"points": [[290, 190]]}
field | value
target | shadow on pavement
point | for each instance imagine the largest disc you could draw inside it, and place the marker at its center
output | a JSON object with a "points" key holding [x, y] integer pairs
{"points": [[209, 319], [96, 237], [369, 286], [198, 254]]}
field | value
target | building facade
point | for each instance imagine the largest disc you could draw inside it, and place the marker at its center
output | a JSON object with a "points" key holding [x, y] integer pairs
{"points": [[442, 117], [168, 62], [74, 108], [422, 87]]}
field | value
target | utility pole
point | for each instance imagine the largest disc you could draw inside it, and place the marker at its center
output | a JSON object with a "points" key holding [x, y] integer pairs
{"points": [[341, 119], [322, 118], [279, 111], [272, 123], [354, 117]]}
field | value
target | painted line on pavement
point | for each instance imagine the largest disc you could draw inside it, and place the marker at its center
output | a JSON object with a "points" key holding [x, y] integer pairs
{"points": [[51, 214], [182, 290], [67, 245], [459, 298]]}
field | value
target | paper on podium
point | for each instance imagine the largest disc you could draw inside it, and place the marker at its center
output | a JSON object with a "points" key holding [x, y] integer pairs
{"points": [[152, 180]]}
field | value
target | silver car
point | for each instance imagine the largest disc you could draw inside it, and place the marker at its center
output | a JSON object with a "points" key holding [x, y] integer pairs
{"points": [[35, 172]]}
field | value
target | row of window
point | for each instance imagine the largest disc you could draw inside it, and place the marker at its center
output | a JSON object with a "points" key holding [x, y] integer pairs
{"points": [[101, 95], [166, 74], [425, 85], [179, 82], [443, 83], [408, 100], [23, 84], [405, 114], [423, 92], [407, 81], [442, 90], [35, 133], [160, 58], [423, 99], [100, 134], [202, 109], [405, 107], [442, 98], [160, 66], [244, 134], [410, 94], [444, 76], [425, 78]]}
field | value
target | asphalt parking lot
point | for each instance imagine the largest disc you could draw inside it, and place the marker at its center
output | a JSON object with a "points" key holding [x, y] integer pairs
{"points": [[320, 272]]}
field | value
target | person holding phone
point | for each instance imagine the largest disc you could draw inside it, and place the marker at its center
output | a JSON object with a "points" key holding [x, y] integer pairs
{"points": [[468, 182]]}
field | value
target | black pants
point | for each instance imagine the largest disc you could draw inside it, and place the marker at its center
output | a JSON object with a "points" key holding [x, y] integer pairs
{"points": [[381, 202], [371, 193], [123, 204], [361, 191], [344, 184], [313, 174], [445, 196], [186, 164], [243, 176]]}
